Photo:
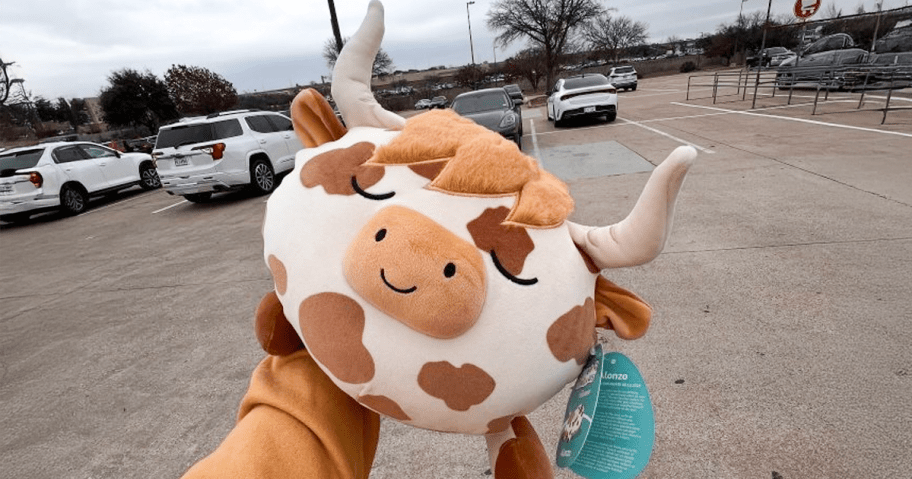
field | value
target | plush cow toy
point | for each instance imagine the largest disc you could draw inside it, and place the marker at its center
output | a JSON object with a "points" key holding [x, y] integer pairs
{"points": [[429, 270]]}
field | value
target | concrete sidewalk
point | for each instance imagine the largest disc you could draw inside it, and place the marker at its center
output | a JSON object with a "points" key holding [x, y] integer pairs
{"points": [[781, 344]]}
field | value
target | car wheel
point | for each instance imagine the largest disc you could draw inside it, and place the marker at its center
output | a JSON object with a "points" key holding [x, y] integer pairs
{"points": [[262, 177], [149, 178], [611, 117], [634, 88], [73, 199], [198, 197], [558, 123]]}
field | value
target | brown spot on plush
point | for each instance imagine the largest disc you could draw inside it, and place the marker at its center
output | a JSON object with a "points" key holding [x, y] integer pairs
{"points": [[499, 425], [385, 406], [429, 170], [571, 336], [334, 170], [460, 388], [273, 331], [512, 244], [523, 456], [279, 274], [332, 324]]}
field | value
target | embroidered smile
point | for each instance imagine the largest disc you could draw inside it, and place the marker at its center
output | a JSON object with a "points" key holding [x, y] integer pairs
{"points": [[398, 290]]}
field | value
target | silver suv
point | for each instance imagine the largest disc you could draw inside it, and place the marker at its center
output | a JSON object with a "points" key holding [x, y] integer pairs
{"points": [[225, 151], [623, 78]]}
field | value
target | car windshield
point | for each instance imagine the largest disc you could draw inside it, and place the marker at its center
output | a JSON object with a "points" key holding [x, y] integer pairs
{"points": [[17, 160], [480, 102], [179, 135], [584, 82]]}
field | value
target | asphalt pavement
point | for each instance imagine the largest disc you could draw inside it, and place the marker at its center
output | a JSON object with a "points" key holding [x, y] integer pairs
{"points": [[781, 345]]}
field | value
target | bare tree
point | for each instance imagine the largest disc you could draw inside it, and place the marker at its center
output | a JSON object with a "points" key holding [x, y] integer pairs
{"points": [[383, 64], [615, 35], [549, 25], [831, 11], [528, 64]]}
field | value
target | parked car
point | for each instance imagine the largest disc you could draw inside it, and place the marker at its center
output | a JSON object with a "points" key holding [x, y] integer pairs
{"points": [[439, 102], [514, 91], [494, 109], [770, 57], [587, 95], [423, 104], [225, 151], [65, 175], [825, 67], [836, 41], [623, 77]]}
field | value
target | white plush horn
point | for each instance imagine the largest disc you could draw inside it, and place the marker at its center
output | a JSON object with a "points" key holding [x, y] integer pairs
{"points": [[352, 76], [641, 236]]}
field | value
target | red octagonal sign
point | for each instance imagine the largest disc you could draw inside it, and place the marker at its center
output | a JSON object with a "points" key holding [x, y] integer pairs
{"points": [[806, 8]]}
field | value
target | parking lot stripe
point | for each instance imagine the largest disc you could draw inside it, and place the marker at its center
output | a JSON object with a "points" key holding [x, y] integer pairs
{"points": [[535, 141], [169, 207], [800, 120], [666, 135]]}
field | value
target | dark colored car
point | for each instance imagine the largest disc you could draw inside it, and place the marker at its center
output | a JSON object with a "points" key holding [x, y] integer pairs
{"points": [[493, 109], [514, 91]]}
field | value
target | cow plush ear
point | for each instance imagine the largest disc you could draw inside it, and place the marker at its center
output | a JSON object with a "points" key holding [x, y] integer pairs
{"points": [[314, 120], [620, 310], [273, 330]]}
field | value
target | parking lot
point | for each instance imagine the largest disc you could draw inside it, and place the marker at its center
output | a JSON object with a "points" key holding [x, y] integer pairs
{"points": [[781, 344]]}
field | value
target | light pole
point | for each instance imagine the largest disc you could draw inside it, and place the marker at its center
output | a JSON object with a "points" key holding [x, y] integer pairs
{"points": [[762, 47], [469, 18]]}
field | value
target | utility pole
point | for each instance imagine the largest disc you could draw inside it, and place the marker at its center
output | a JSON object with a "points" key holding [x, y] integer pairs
{"points": [[335, 25], [762, 47], [471, 45]]}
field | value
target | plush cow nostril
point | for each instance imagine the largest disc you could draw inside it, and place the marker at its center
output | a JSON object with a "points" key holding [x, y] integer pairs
{"points": [[449, 270], [380, 235]]}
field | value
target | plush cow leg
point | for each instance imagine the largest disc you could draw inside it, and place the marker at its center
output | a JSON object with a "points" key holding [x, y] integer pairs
{"points": [[517, 453]]}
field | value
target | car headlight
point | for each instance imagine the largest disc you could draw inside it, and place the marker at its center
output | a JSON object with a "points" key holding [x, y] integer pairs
{"points": [[508, 120]]}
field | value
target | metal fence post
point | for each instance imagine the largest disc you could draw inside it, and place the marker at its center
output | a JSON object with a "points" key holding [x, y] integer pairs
{"points": [[715, 86]]}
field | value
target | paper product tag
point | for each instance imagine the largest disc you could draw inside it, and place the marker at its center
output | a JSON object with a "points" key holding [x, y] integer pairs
{"points": [[609, 427]]}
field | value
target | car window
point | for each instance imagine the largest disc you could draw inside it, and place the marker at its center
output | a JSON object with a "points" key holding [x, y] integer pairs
{"points": [[623, 70], [97, 151], [259, 123], [20, 159], [496, 100], [226, 129], [67, 154], [584, 82], [179, 135], [280, 123]]}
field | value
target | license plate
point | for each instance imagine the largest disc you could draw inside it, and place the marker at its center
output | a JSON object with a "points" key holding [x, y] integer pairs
{"points": [[589, 109], [6, 189], [181, 162]]}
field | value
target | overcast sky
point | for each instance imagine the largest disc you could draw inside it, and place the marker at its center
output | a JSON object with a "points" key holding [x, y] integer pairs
{"points": [[68, 48]]}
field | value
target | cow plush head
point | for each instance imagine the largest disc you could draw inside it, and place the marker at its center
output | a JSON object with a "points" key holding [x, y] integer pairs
{"points": [[429, 267]]}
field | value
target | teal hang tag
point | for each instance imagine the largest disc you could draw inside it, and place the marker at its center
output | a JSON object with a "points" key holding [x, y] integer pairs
{"points": [[609, 427]]}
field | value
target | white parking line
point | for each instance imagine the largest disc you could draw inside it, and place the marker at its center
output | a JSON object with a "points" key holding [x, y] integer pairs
{"points": [[666, 135], [169, 207], [800, 120], [535, 141], [119, 202]]}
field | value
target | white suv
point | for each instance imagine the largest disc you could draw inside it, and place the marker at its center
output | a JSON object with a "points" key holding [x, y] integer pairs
{"points": [[64, 175], [623, 78], [225, 151]]}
